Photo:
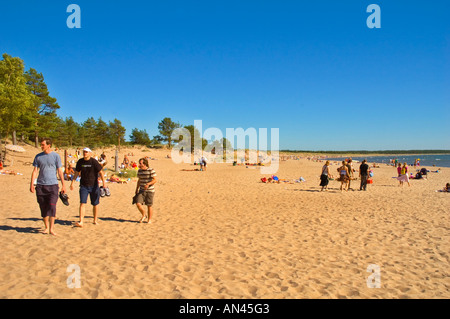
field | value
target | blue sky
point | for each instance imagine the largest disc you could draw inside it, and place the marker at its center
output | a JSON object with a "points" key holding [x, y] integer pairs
{"points": [[313, 69]]}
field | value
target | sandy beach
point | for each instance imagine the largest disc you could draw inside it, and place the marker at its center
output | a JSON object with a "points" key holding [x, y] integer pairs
{"points": [[222, 233]]}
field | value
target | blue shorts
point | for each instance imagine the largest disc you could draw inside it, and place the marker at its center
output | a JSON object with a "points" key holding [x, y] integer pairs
{"points": [[93, 191]]}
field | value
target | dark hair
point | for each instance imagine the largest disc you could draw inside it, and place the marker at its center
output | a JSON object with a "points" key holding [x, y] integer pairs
{"points": [[144, 161], [47, 140]]}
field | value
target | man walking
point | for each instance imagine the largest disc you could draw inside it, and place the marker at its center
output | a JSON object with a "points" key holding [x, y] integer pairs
{"points": [[145, 189], [363, 174], [89, 169], [48, 164]]}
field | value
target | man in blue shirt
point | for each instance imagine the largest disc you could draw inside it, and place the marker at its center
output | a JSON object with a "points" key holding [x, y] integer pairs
{"points": [[48, 164]]}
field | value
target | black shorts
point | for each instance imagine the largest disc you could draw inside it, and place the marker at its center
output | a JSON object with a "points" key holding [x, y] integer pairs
{"points": [[145, 198], [47, 197]]}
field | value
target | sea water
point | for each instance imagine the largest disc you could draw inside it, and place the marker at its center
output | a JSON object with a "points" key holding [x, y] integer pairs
{"points": [[428, 161]]}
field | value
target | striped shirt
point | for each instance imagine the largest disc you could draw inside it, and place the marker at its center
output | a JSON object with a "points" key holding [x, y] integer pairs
{"points": [[146, 176]]}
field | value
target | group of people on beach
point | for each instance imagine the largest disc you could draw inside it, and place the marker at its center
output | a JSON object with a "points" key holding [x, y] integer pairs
{"points": [[88, 170], [48, 166], [346, 174]]}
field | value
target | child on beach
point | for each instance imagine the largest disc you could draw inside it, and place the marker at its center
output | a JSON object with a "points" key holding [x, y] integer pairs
{"points": [[403, 177]]}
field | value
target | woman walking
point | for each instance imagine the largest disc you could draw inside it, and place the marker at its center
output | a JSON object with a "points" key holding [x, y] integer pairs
{"points": [[344, 176], [325, 176]]}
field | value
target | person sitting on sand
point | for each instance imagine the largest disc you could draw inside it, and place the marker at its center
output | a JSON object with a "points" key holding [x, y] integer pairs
{"points": [[447, 188], [424, 172], [126, 162], [68, 173], [114, 179], [203, 163], [344, 176], [103, 160], [6, 172]]}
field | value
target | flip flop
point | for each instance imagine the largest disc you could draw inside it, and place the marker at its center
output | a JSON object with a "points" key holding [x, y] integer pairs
{"points": [[64, 198], [77, 224]]}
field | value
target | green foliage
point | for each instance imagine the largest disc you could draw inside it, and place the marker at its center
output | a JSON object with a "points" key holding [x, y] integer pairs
{"points": [[15, 98], [166, 127], [44, 106], [116, 132], [128, 173], [194, 132], [140, 137]]}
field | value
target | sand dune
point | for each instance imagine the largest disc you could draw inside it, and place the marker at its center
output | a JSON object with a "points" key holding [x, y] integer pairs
{"points": [[224, 234]]}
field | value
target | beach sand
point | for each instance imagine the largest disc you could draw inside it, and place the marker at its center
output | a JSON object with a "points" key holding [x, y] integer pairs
{"points": [[222, 233]]}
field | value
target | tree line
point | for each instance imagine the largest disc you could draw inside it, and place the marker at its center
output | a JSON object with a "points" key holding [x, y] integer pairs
{"points": [[28, 112]]}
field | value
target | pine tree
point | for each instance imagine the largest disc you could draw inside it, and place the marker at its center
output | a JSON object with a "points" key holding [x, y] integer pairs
{"points": [[166, 127], [15, 98], [44, 106]]}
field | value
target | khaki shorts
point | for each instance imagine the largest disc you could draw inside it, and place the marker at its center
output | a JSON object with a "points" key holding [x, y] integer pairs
{"points": [[145, 198]]}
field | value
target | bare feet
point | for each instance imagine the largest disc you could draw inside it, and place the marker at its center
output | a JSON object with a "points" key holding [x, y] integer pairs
{"points": [[142, 219], [49, 232], [78, 224]]}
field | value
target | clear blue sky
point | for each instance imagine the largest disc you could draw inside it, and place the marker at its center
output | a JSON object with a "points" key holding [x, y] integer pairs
{"points": [[313, 69]]}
